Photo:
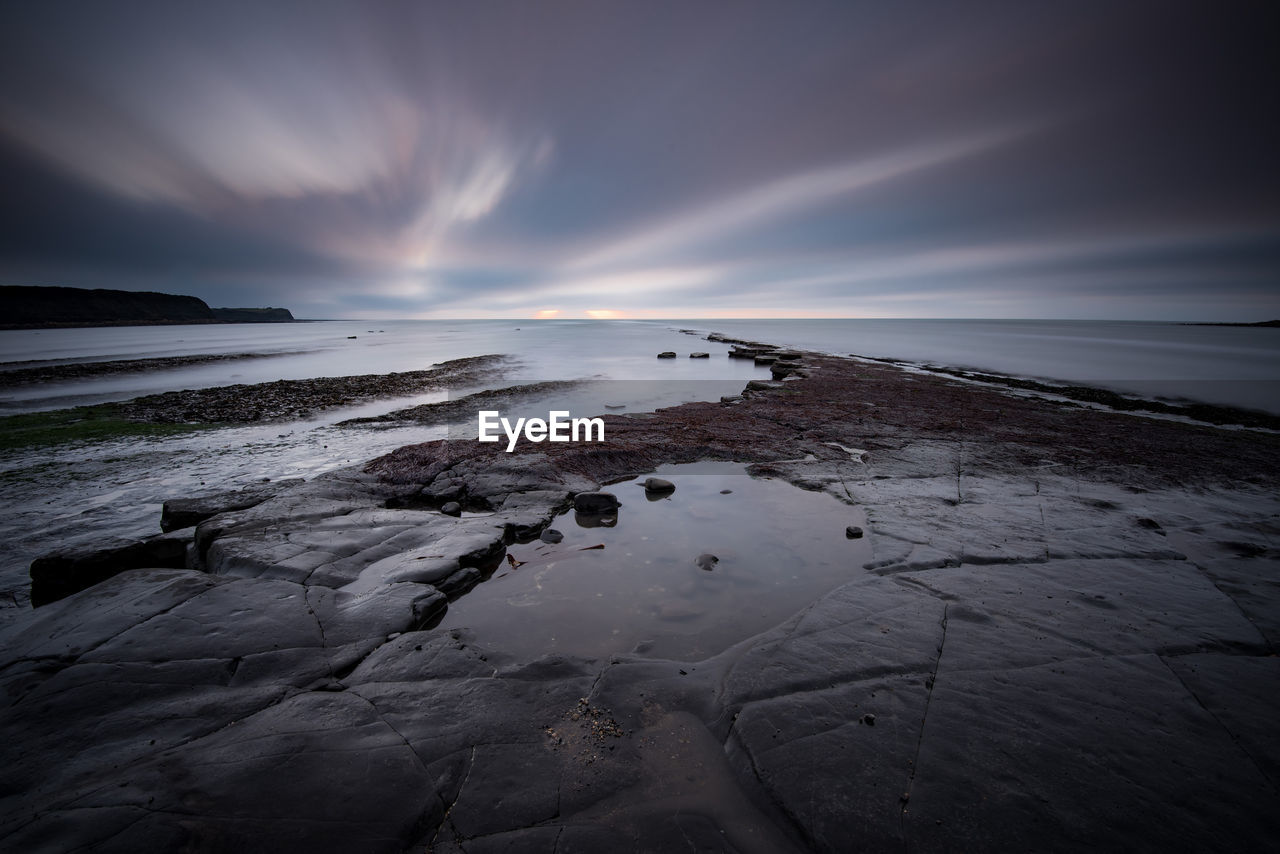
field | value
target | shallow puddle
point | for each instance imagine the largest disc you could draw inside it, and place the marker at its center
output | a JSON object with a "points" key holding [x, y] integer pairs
{"points": [[639, 586]]}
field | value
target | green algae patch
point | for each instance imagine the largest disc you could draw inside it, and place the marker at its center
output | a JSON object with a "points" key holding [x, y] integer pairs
{"points": [[81, 424]]}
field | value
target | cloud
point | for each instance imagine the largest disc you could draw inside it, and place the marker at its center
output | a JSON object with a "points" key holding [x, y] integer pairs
{"points": [[780, 198], [416, 158]]}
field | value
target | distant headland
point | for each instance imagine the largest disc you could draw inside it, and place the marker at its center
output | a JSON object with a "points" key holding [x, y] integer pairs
{"points": [[39, 307]]}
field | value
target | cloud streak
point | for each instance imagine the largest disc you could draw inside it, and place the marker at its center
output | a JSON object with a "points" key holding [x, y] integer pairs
{"points": [[439, 160]]}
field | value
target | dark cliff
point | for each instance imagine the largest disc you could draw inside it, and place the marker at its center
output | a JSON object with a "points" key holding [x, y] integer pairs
{"points": [[252, 315], [34, 307]]}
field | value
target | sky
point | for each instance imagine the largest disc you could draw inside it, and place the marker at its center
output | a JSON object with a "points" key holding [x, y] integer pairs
{"points": [[650, 159]]}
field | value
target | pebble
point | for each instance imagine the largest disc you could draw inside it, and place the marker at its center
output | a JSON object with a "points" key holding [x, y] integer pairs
{"points": [[706, 561], [853, 532]]}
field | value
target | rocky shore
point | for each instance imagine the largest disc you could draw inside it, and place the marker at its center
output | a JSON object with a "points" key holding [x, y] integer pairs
{"points": [[15, 374], [294, 399], [1064, 638]]}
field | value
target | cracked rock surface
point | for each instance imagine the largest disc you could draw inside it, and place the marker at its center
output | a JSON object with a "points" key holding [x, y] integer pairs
{"points": [[1064, 639]]}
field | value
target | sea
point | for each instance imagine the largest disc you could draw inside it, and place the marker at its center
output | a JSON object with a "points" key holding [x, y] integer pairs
{"points": [[80, 493]]}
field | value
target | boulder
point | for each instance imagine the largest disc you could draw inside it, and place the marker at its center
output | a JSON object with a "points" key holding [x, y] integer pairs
{"points": [[666, 354], [657, 484], [782, 369], [595, 502], [452, 508]]}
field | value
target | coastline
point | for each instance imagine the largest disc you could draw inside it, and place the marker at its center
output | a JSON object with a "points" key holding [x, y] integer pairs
{"points": [[1098, 580]]}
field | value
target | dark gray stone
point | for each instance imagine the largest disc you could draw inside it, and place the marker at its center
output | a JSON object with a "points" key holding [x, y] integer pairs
{"points": [[595, 502], [657, 484], [706, 561], [550, 535], [668, 354], [853, 532], [177, 513], [57, 575], [452, 508], [699, 355]]}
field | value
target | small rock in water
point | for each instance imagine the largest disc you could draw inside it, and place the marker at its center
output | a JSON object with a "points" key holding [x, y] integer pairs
{"points": [[595, 502], [868, 719], [725, 491], [453, 508], [666, 354], [699, 355], [550, 535], [706, 561], [657, 484], [853, 532]]}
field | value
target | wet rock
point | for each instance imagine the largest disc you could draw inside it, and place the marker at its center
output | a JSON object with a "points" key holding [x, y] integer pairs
{"points": [[179, 513], [59, 574], [657, 484], [452, 508], [732, 399], [749, 352], [853, 532], [667, 354], [699, 355], [762, 385], [444, 490], [550, 535], [782, 369], [595, 502], [706, 561], [766, 359]]}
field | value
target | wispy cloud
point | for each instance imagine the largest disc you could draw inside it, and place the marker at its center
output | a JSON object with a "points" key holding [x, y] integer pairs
{"points": [[795, 194]]}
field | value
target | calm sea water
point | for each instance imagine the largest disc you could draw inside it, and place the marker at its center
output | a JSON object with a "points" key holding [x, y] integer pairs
{"points": [[1236, 366], [1229, 365]]}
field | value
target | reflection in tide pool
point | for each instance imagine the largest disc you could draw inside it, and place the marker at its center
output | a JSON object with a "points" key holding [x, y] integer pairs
{"points": [[778, 548]]}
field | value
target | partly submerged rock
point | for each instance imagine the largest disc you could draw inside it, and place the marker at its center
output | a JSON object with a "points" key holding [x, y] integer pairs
{"points": [[657, 484], [667, 354], [595, 502]]}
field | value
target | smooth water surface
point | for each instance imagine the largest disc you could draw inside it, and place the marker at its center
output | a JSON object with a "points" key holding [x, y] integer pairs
{"points": [[779, 548], [1229, 365]]}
